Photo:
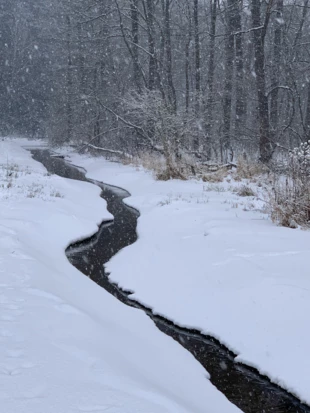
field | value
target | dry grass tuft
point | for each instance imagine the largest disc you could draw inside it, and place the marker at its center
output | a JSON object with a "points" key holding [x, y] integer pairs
{"points": [[247, 169], [216, 177], [289, 203], [245, 190], [170, 173], [158, 165], [289, 200]]}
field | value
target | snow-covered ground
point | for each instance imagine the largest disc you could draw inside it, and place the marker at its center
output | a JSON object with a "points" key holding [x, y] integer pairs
{"points": [[209, 259], [66, 345]]}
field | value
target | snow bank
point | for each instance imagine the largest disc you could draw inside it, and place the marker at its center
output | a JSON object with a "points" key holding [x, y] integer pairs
{"points": [[66, 345], [208, 259]]}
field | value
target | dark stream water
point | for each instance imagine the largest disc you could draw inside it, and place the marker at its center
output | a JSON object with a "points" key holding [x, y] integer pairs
{"points": [[242, 385]]}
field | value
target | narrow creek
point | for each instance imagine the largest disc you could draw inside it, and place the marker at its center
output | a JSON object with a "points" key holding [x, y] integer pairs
{"points": [[242, 385]]}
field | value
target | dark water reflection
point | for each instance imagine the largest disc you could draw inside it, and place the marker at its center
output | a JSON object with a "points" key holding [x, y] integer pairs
{"points": [[243, 386]]}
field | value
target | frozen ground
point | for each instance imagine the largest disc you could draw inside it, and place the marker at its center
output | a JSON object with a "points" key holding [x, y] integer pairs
{"points": [[208, 259], [66, 345]]}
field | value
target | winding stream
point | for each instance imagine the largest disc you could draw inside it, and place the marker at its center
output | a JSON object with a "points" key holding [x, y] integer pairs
{"points": [[242, 385]]}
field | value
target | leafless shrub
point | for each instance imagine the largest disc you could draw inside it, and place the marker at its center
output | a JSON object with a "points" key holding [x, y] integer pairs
{"points": [[160, 129]]}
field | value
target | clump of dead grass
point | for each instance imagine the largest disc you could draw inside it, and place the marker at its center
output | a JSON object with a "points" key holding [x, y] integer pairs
{"points": [[216, 177], [170, 173], [244, 190], [249, 169], [288, 202], [162, 170], [289, 199]]}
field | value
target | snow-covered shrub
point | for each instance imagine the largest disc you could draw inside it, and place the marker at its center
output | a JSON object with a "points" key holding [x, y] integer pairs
{"points": [[289, 201], [159, 128]]}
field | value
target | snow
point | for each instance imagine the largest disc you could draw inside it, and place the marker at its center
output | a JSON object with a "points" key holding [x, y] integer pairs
{"points": [[209, 259], [66, 345]]}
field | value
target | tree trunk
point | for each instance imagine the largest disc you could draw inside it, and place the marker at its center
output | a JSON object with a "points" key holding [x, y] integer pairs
{"points": [[187, 62], [69, 91], [135, 39], [96, 132], [265, 145], [275, 77], [197, 57], [151, 45], [81, 61], [307, 115], [210, 80], [229, 70], [240, 92], [306, 118], [171, 90]]}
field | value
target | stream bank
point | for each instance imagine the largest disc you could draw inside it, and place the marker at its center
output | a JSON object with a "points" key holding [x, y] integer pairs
{"points": [[242, 385]]}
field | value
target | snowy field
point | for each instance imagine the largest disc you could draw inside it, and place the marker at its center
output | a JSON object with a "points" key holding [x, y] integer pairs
{"points": [[209, 259], [66, 345]]}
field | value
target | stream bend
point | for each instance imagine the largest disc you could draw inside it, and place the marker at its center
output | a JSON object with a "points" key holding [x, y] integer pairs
{"points": [[242, 385]]}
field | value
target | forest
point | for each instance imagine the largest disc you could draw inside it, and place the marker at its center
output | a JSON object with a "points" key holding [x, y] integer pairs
{"points": [[205, 78]]}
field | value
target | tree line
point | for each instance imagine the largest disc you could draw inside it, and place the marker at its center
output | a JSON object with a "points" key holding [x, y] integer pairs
{"points": [[205, 78]]}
